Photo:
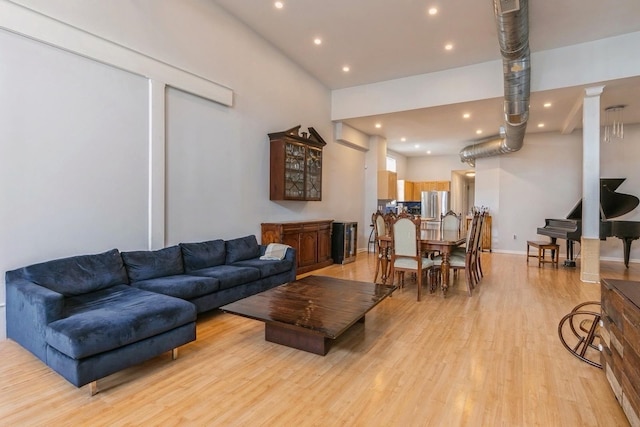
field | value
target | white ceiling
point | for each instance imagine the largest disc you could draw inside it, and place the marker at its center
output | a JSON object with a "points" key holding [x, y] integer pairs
{"points": [[387, 39]]}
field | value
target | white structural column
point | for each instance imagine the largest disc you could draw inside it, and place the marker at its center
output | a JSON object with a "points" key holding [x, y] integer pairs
{"points": [[157, 153], [590, 242]]}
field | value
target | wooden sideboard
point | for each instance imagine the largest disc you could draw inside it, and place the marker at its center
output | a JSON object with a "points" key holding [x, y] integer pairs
{"points": [[620, 343], [311, 239]]}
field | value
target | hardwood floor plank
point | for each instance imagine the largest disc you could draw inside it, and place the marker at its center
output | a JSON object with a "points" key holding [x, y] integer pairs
{"points": [[490, 359]]}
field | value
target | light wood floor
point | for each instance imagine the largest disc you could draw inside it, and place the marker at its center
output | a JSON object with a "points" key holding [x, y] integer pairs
{"points": [[492, 359]]}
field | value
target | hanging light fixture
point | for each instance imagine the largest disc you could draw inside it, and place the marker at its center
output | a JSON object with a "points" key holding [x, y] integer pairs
{"points": [[613, 123]]}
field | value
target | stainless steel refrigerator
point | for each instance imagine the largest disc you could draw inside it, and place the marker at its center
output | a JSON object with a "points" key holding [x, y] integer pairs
{"points": [[433, 204]]}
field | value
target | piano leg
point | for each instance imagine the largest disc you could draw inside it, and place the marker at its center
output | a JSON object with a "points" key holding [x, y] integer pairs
{"points": [[627, 249], [569, 262]]}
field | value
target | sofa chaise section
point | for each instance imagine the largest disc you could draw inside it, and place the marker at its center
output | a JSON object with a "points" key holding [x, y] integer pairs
{"points": [[81, 318]]}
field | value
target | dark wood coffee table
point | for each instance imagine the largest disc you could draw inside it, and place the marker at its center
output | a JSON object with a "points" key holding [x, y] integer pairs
{"points": [[308, 313]]}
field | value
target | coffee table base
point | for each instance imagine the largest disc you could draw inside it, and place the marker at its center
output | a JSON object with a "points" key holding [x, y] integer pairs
{"points": [[298, 338]]}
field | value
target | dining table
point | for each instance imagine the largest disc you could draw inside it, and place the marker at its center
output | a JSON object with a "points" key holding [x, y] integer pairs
{"points": [[431, 239]]}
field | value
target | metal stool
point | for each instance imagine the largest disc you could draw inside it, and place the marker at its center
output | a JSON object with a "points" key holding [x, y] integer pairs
{"points": [[584, 326], [371, 246]]}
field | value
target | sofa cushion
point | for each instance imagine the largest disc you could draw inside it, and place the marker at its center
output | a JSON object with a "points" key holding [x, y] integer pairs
{"points": [[242, 248], [229, 276], [114, 317], [143, 265], [180, 286], [203, 254], [78, 275], [267, 267]]}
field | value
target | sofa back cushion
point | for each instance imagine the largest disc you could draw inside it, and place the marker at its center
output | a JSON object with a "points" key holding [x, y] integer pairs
{"points": [[203, 254], [143, 265], [79, 274], [242, 248]]}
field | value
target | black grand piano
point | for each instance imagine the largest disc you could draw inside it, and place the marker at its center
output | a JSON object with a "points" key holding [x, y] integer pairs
{"points": [[612, 205]]}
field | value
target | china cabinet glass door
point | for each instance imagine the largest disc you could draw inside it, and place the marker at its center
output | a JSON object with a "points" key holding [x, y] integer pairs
{"points": [[295, 170], [314, 174]]}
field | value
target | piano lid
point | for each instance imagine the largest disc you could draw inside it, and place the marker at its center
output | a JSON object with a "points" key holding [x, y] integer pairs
{"points": [[612, 204]]}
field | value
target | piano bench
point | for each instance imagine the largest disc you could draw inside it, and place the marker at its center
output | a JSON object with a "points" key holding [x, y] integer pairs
{"points": [[542, 248]]}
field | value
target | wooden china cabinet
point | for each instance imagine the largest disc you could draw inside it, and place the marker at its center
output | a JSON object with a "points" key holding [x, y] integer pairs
{"points": [[296, 165]]}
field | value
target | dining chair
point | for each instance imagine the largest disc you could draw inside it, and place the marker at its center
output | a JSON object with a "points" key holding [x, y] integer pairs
{"points": [[380, 229], [450, 221], [460, 250], [406, 254], [478, 247], [463, 259]]}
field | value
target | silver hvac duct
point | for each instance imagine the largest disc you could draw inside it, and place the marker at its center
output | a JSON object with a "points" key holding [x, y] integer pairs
{"points": [[512, 21]]}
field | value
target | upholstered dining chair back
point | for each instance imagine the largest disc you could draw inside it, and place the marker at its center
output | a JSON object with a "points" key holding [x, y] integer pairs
{"points": [[472, 233], [380, 224], [405, 237], [406, 255], [450, 221]]}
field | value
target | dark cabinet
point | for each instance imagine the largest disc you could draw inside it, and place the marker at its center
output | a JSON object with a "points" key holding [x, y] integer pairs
{"points": [[620, 343], [295, 165], [344, 242], [311, 239]]}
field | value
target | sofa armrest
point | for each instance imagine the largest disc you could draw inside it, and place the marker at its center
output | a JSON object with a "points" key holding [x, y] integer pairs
{"points": [[291, 256], [30, 308]]}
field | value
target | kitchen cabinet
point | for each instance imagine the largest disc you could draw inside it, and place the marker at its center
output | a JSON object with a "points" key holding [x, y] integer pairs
{"points": [[620, 343], [420, 186], [311, 239], [296, 165], [443, 185], [387, 185], [405, 191]]}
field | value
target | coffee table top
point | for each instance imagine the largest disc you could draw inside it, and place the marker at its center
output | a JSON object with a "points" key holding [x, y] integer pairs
{"points": [[325, 305]]}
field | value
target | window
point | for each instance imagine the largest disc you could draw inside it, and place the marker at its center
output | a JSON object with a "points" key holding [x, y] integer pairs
{"points": [[391, 164]]}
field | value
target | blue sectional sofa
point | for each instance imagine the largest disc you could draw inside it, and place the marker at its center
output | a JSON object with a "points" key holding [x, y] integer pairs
{"points": [[89, 316]]}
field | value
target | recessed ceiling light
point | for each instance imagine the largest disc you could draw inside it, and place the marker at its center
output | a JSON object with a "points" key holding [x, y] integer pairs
{"points": [[417, 146], [317, 41], [346, 69], [428, 151], [466, 115], [403, 139], [547, 105], [448, 46], [540, 125], [378, 125], [470, 174], [278, 5], [433, 11], [479, 131]]}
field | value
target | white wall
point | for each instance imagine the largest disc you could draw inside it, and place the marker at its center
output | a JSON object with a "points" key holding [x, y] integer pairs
{"points": [[543, 180], [74, 149], [433, 168]]}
